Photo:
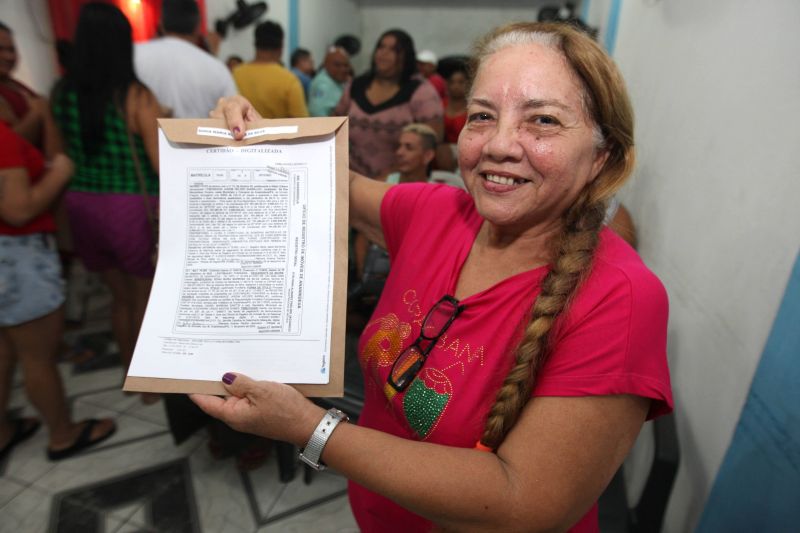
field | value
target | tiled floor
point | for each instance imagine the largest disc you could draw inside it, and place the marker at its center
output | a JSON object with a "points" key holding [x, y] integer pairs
{"points": [[140, 481]]}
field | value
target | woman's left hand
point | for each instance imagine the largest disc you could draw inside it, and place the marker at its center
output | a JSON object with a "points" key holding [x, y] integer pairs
{"points": [[273, 410]]}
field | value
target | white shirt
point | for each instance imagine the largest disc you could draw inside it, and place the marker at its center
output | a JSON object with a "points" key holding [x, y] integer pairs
{"points": [[183, 77]]}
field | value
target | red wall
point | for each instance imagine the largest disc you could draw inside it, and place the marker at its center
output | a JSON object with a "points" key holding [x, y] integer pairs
{"points": [[143, 15]]}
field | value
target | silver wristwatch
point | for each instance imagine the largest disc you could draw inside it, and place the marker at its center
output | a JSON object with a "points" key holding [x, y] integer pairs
{"points": [[313, 451]]}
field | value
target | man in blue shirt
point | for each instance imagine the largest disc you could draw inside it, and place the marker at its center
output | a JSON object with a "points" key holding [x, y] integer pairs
{"points": [[328, 85], [302, 67]]}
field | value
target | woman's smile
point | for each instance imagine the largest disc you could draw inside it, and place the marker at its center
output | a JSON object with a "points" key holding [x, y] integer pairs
{"points": [[504, 180]]}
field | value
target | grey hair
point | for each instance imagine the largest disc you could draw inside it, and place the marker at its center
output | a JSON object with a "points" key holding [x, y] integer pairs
{"points": [[517, 37]]}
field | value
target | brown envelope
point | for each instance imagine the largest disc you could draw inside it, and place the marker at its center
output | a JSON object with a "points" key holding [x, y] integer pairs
{"points": [[185, 131]]}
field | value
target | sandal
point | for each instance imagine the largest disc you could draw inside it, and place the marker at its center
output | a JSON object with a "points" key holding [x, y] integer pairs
{"points": [[83, 441], [24, 428]]}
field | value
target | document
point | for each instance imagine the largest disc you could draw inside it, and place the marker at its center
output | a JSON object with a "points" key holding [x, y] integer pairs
{"points": [[246, 278]]}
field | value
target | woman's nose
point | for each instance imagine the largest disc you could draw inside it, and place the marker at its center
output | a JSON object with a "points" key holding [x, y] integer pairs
{"points": [[504, 143]]}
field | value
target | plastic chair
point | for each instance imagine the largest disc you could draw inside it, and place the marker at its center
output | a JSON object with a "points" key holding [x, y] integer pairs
{"points": [[647, 514], [373, 277]]}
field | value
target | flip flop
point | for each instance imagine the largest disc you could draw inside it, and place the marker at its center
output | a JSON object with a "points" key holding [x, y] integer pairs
{"points": [[83, 441], [24, 428]]}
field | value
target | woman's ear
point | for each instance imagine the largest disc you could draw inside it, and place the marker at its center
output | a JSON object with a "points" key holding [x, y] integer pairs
{"points": [[429, 156], [599, 162]]}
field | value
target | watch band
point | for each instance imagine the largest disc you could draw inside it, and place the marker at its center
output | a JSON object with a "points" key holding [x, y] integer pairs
{"points": [[313, 451]]}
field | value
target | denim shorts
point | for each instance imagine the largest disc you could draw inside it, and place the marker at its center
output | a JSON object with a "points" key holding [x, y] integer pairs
{"points": [[31, 285]]}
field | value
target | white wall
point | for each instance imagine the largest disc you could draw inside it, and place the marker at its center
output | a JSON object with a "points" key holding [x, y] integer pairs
{"points": [[242, 42], [715, 89], [443, 26], [319, 23], [33, 36], [322, 21]]}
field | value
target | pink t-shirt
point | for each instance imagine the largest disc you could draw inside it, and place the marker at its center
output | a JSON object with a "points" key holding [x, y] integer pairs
{"points": [[612, 340]]}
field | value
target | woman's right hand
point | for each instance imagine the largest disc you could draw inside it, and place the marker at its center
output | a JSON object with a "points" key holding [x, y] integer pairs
{"points": [[237, 111]]}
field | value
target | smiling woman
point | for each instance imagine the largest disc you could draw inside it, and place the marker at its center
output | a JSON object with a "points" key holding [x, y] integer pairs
{"points": [[522, 400], [528, 148]]}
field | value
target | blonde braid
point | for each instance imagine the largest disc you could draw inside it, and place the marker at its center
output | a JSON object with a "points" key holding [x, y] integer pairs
{"points": [[582, 224]]}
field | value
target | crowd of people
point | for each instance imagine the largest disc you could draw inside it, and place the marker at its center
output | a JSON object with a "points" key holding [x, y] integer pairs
{"points": [[518, 343]]}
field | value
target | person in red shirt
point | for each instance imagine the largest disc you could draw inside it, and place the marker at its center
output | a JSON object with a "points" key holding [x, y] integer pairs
{"points": [[455, 116], [31, 298], [426, 64], [519, 344]]}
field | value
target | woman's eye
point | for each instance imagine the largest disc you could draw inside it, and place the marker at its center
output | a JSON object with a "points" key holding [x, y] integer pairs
{"points": [[479, 116], [546, 120]]}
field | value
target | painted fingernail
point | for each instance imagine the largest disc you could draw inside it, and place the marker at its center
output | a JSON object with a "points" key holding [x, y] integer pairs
{"points": [[228, 378], [236, 131]]}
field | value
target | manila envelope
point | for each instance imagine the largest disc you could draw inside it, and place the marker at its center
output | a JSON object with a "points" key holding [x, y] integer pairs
{"points": [[188, 132]]}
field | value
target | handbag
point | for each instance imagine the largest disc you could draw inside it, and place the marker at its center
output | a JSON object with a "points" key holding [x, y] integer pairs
{"points": [[152, 216]]}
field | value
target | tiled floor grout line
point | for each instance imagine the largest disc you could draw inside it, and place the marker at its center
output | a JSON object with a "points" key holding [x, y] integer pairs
{"points": [[25, 486], [303, 507]]}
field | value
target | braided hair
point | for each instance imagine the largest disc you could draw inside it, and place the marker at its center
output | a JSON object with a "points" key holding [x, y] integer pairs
{"points": [[606, 102]]}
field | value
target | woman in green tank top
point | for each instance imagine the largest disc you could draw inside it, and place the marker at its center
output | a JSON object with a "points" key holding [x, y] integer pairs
{"points": [[107, 118]]}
